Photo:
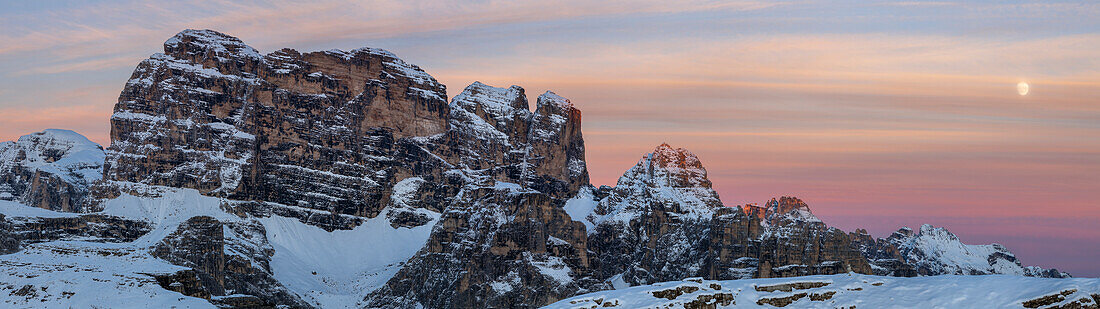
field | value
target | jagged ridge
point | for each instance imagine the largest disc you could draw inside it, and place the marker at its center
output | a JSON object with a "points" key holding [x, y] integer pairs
{"points": [[229, 162]]}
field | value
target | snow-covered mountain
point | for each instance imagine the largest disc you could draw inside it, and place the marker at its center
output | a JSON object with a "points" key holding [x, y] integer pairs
{"points": [[935, 251], [347, 179], [52, 169]]}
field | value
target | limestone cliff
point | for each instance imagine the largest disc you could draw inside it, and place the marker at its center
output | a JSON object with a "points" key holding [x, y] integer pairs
{"points": [[348, 179], [662, 221]]}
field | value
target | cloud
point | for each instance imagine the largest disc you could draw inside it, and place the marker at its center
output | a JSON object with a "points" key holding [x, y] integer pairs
{"points": [[81, 65], [887, 109], [298, 21]]}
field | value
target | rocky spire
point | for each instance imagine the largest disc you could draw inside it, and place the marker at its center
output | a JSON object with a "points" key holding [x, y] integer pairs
{"points": [[543, 150], [788, 209], [671, 178]]}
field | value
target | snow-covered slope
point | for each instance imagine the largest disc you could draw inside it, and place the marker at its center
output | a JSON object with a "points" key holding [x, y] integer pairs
{"points": [[851, 290], [326, 269], [50, 169], [81, 272], [337, 269], [78, 274]]}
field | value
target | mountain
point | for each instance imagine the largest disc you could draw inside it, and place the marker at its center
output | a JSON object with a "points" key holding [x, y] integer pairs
{"points": [[662, 221], [349, 179], [935, 251], [52, 169]]}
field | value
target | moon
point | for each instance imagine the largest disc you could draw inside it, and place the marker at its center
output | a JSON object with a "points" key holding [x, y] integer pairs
{"points": [[1022, 88]]}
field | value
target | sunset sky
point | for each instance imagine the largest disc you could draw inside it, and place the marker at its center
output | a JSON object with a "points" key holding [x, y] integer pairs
{"points": [[877, 114]]}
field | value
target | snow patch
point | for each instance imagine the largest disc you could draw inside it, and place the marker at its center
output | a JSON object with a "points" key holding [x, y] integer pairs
{"points": [[337, 269], [581, 206]]}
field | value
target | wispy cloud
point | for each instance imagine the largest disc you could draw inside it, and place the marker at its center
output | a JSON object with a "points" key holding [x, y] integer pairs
{"points": [[887, 108], [297, 21], [81, 65]]}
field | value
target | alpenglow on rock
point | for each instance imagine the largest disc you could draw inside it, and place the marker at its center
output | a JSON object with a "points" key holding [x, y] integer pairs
{"points": [[51, 169], [341, 140], [346, 179], [315, 134], [662, 222]]}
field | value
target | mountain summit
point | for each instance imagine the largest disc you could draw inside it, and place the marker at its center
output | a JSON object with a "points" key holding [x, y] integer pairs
{"points": [[342, 179]]}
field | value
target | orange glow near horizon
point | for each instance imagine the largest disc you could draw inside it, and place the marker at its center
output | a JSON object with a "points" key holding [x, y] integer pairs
{"points": [[877, 115]]}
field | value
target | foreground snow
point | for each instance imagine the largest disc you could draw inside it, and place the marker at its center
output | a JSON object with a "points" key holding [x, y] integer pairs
{"points": [[845, 290], [78, 274], [88, 274], [327, 269]]}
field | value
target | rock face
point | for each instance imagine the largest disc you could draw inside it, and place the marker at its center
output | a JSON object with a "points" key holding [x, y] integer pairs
{"points": [[504, 238], [95, 227], [331, 138], [663, 222], [219, 154], [883, 255], [51, 169], [495, 247], [8, 241], [493, 128], [199, 243], [316, 132], [935, 251]]}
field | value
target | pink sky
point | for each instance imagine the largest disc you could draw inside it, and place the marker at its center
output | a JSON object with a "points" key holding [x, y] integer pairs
{"points": [[878, 114]]}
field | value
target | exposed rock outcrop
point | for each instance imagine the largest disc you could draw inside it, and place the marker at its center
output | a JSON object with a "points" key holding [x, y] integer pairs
{"points": [[884, 257], [8, 241], [93, 227], [331, 138], [218, 268], [494, 247], [493, 129], [663, 222]]}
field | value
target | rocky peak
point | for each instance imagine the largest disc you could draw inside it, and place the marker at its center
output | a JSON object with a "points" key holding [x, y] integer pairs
{"points": [[550, 103], [51, 169], [904, 232], [492, 112], [673, 178], [496, 130], [663, 220], [788, 209], [54, 148], [938, 233], [754, 210], [497, 102], [201, 46], [668, 167]]}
